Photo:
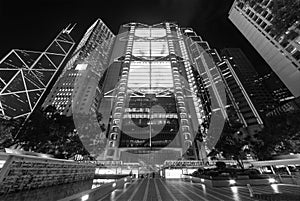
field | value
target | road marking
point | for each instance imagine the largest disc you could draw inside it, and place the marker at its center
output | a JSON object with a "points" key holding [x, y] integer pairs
{"points": [[185, 195], [199, 196], [208, 193], [157, 191], [125, 190], [146, 191], [238, 194], [136, 190], [170, 193]]}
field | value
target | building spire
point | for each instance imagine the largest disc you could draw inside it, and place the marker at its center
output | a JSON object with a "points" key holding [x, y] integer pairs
{"points": [[68, 29]]}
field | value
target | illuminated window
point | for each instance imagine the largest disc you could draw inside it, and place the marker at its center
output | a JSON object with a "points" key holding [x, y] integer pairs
{"points": [[151, 44], [153, 76]]}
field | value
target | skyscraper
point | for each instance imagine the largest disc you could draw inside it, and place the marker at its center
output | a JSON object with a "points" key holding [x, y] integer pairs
{"points": [[275, 86], [279, 46], [249, 78], [157, 90], [25, 75], [90, 56], [292, 106], [240, 108], [160, 92]]}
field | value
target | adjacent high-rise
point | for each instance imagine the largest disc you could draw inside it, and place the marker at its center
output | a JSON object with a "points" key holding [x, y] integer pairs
{"points": [[240, 107], [281, 94], [75, 88], [25, 75], [279, 45], [259, 95]]}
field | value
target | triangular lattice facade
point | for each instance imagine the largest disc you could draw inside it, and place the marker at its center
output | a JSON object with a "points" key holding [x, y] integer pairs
{"points": [[25, 75]]}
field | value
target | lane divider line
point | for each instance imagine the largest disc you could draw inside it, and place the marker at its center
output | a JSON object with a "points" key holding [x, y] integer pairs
{"points": [[157, 191], [168, 190], [146, 190]]}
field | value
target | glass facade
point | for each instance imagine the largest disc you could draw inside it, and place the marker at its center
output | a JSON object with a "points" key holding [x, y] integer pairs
{"points": [[161, 101], [150, 76], [280, 49], [260, 97], [25, 75], [89, 60]]}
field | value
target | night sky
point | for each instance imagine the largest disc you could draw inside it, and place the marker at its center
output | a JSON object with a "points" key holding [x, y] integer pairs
{"points": [[32, 24]]}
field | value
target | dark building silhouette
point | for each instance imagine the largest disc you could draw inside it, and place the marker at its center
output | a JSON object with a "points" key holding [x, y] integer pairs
{"points": [[262, 100]]}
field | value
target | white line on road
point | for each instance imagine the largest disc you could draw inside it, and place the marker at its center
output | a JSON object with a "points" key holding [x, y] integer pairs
{"points": [[170, 193], [135, 191], [157, 191], [146, 190], [199, 196], [185, 195]]}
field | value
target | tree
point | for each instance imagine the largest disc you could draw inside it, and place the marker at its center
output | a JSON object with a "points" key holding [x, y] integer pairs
{"points": [[49, 132], [234, 144], [281, 135], [285, 14], [8, 130]]}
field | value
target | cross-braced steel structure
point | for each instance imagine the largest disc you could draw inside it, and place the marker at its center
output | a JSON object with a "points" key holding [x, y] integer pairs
{"points": [[25, 75]]}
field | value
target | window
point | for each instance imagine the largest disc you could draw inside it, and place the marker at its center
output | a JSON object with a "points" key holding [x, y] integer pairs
{"points": [[291, 49], [264, 14], [259, 21], [148, 75], [269, 17], [296, 55], [268, 29], [255, 17], [263, 25]]}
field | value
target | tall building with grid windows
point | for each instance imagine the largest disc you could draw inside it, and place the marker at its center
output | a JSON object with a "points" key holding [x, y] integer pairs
{"points": [[257, 92], [275, 86], [240, 107], [80, 76], [157, 91], [281, 50], [159, 95]]}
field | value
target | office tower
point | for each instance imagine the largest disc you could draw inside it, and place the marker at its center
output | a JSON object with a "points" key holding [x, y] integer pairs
{"points": [[80, 77], [279, 46], [156, 89], [281, 94], [25, 75], [249, 78], [161, 91], [292, 106], [240, 107]]}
